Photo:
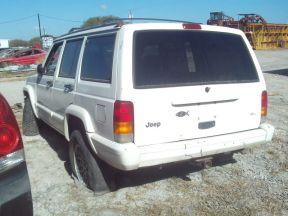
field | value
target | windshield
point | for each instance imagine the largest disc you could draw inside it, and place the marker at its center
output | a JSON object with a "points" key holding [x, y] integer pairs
{"points": [[176, 58]]}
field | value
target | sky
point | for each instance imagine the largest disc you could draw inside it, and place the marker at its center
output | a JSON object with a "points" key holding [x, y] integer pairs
{"points": [[18, 18]]}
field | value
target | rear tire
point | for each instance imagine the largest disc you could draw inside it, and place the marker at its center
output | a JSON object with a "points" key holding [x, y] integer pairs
{"points": [[30, 122], [85, 167]]}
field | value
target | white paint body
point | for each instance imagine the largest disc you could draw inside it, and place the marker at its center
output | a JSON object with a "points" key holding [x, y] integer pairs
{"points": [[172, 138]]}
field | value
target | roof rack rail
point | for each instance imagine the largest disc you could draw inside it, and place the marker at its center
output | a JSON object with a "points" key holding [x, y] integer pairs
{"points": [[153, 19], [121, 21], [73, 30]]}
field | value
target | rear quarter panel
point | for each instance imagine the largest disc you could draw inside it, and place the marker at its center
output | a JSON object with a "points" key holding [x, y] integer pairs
{"points": [[98, 98]]}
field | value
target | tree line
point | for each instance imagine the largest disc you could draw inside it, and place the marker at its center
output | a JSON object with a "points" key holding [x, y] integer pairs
{"points": [[98, 20]]}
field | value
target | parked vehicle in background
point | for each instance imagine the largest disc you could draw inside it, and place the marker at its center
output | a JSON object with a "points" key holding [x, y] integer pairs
{"points": [[15, 191], [135, 95], [24, 57], [8, 52]]}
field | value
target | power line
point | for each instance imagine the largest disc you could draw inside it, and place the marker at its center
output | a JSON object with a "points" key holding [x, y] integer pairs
{"points": [[61, 19], [17, 20], [35, 15]]}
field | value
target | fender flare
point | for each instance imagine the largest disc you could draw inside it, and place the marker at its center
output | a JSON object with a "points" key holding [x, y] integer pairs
{"points": [[32, 96], [80, 113]]}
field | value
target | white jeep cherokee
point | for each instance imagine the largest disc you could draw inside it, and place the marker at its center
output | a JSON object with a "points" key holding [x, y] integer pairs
{"points": [[144, 94]]}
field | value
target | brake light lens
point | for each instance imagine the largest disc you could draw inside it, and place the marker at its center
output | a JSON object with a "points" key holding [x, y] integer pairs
{"points": [[123, 121], [264, 103], [191, 26], [10, 138]]}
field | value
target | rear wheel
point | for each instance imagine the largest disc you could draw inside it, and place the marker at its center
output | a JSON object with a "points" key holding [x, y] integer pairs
{"points": [[30, 122], [85, 166]]}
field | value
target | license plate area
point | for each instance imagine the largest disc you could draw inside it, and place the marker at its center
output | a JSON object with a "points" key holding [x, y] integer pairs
{"points": [[206, 125]]}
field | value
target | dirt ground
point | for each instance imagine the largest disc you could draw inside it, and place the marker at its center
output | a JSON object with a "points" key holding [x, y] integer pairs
{"points": [[4, 76], [253, 182], [272, 59]]}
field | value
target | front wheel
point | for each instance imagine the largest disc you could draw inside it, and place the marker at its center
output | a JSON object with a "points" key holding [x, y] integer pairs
{"points": [[84, 165], [30, 123]]}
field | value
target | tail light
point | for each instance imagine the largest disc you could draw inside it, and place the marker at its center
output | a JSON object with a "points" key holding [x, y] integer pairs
{"points": [[191, 26], [10, 139], [123, 121], [264, 103]]}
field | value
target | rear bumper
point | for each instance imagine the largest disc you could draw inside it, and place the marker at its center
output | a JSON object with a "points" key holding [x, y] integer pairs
{"points": [[15, 192], [129, 156]]}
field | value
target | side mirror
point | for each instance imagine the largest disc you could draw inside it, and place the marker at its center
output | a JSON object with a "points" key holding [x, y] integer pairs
{"points": [[40, 69]]}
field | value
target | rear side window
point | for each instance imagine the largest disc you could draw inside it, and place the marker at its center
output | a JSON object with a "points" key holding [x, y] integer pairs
{"points": [[70, 59], [98, 59], [176, 58]]}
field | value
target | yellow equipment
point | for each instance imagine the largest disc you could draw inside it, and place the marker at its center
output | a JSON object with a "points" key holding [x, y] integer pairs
{"points": [[267, 36], [262, 35]]}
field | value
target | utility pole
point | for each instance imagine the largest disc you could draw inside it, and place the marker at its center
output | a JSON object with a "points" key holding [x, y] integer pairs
{"points": [[39, 24]]}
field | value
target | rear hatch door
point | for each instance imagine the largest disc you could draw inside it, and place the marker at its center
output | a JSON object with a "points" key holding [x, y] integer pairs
{"points": [[192, 84]]}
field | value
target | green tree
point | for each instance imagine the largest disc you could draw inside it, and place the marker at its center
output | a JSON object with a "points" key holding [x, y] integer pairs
{"points": [[92, 21], [18, 43], [35, 40]]}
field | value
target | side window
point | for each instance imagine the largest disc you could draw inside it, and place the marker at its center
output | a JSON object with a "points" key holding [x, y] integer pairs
{"points": [[24, 53], [70, 59], [98, 59], [36, 51], [52, 60]]}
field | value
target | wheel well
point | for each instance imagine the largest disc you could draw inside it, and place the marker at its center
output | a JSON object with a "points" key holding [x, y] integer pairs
{"points": [[26, 95], [75, 123]]}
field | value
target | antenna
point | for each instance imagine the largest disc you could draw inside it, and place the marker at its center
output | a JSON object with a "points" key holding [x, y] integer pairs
{"points": [[130, 14]]}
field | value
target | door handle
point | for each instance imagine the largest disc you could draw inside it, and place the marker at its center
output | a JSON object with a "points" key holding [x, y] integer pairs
{"points": [[49, 84], [68, 88]]}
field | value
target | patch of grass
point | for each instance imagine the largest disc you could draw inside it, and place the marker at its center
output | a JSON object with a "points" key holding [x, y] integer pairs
{"points": [[284, 166], [20, 74], [273, 155], [271, 152], [236, 170]]}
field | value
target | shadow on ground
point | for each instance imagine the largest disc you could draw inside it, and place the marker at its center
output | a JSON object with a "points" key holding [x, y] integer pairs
{"points": [[279, 72], [180, 170], [58, 143], [133, 178]]}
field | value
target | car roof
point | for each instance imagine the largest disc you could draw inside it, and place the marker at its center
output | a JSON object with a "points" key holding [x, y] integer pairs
{"points": [[138, 24], [142, 26]]}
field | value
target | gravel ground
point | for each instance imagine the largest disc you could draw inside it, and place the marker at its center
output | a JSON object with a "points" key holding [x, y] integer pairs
{"points": [[254, 182], [13, 91], [272, 59]]}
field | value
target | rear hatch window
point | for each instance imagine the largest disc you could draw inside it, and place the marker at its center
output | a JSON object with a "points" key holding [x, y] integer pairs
{"points": [[178, 58]]}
